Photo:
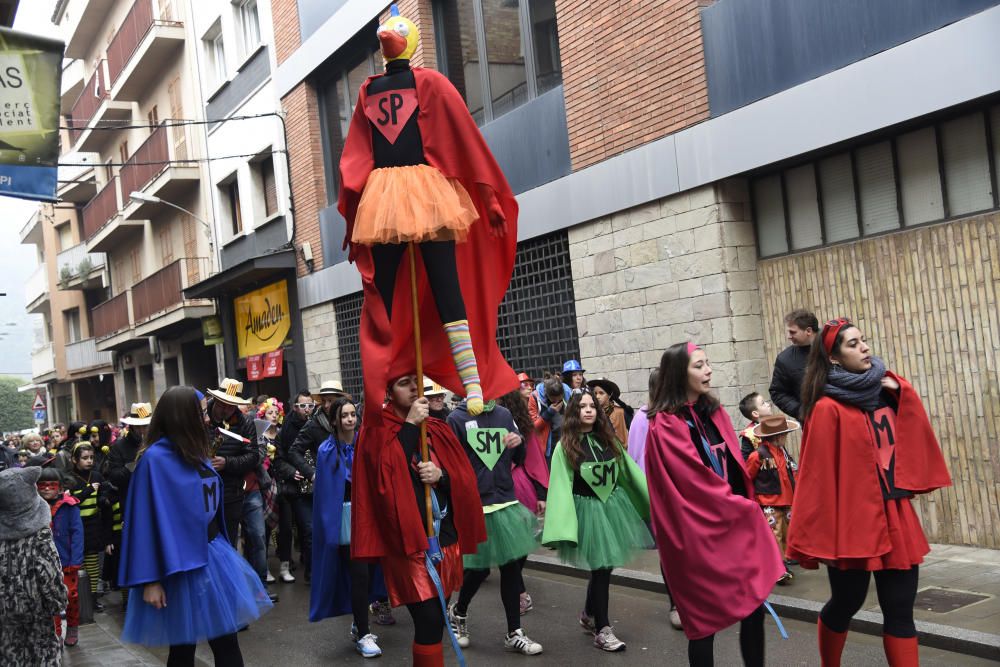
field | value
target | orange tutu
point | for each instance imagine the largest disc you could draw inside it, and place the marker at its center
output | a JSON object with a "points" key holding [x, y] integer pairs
{"points": [[407, 580], [403, 204]]}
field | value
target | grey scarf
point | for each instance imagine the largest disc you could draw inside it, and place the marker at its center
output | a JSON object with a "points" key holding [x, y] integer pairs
{"points": [[858, 389]]}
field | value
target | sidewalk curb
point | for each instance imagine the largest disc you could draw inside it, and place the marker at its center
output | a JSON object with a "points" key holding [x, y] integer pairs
{"points": [[937, 635]]}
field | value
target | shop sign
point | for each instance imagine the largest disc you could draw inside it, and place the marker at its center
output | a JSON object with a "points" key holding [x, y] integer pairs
{"points": [[263, 319], [254, 367], [273, 363]]}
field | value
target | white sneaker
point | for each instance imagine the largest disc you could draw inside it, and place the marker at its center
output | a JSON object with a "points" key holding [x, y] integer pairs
{"points": [[269, 579], [460, 626], [367, 647], [518, 642], [675, 619], [606, 640], [285, 574]]}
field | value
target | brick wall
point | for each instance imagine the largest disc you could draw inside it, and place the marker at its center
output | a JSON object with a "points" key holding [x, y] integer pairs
{"points": [[677, 269], [633, 71], [305, 151], [287, 33], [319, 335], [421, 13]]}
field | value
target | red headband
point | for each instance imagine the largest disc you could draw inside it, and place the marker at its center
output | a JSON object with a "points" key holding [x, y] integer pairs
{"points": [[691, 348], [830, 331]]}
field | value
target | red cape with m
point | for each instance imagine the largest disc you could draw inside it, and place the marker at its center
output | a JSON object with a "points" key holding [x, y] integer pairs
{"points": [[453, 145], [385, 518], [838, 511], [719, 557]]}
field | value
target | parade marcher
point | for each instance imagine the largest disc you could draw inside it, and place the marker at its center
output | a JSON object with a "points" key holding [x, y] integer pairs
{"points": [[435, 394], [789, 367], [703, 511], [608, 395], [527, 386], [572, 374], [289, 499], [545, 407], [232, 458], [33, 590], [270, 416], [597, 505], [67, 533], [387, 517], [867, 448], [754, 407], [341, 584], [531, 475], [423, 179], [187, 582], [494, 444], [88, 487]]}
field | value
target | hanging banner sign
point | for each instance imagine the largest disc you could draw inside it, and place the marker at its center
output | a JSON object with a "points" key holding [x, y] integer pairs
{"points": [[273, 363], [263, 319], [254, 366], [30, 85]]}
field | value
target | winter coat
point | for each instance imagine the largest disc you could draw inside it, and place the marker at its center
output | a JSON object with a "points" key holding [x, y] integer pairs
{"points": [[497, 485], [786, 382], [241, 457], [67, 531]]}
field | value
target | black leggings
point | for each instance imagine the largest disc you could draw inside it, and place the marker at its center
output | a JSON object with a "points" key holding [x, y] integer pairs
{"points": [[701, 651], [511, 585], [521, 589], [225, 650], [896, 591], [598, 594], [361, 575], [428, 622], [442, 275]]}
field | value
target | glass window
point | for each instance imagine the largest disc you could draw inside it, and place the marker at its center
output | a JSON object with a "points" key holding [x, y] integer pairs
{"points": [[250, 25], [803, 207], [545, 40], [215, 54], [459, 53], [966, 167], [919, 177], [840, 212], [770, 214], [504, 55], [877, 188], [233, 207]]}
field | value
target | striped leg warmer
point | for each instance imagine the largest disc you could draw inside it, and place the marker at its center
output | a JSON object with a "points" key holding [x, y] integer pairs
{"points": [[465, 362]]}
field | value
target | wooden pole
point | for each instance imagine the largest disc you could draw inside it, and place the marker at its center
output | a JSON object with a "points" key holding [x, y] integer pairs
{"points": [[424, 452]]}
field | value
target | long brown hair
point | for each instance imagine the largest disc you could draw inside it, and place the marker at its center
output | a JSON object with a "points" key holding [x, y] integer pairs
{"points": [[571, 437], [178, 418], [818, 369], [669, 395], [515, 403]]}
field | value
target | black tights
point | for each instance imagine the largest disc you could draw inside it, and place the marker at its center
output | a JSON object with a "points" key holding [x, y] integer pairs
{"points": [[511, 585], [428, 622], [896, 591], [598, 594], [225, 650], [701, 651], [361, 574], [440, 267]]}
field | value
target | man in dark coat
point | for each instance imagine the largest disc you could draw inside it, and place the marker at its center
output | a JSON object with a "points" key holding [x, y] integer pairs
{"points": [[786, 383], [231, 458]]}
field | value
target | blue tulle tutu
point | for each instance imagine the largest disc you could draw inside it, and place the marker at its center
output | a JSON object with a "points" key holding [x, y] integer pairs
{"points": [[202, 604]]}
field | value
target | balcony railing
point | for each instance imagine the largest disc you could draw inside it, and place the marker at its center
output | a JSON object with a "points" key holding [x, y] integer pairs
{"points": [[42, 361], [135, 26], [164, 289], [149, 159], [101, 208], [112, 316], [94, 92], [76, 262], [37, 284], [83, 354]]}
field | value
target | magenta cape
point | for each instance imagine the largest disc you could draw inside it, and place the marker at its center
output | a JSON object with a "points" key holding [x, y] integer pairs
{"points": [[533, 469], [718, 554]]}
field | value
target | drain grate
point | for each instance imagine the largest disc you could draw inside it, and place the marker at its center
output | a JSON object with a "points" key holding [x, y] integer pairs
{"points": [[943, 600]]}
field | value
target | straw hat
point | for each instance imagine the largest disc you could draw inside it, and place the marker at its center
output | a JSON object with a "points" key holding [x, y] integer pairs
{"points": [[432, 388], [229, 392], [331, 388], [138, 414], [774, 425]]}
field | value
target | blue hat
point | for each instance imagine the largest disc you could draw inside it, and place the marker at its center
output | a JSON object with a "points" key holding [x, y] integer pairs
{"points": [[573, 366]]}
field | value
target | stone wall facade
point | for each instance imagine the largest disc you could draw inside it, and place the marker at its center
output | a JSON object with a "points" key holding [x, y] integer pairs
{"points": [[319, 334], [677, 269]]}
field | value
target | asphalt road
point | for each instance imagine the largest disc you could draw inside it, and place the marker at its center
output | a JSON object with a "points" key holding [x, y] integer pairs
{"points": [[285, 638]]}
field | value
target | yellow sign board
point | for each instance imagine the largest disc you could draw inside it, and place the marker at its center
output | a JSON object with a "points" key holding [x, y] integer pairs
{"points": [[262, 319]]}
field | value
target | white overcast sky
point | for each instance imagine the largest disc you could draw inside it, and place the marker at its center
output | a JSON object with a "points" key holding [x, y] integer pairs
{"points": [[17, 261]]}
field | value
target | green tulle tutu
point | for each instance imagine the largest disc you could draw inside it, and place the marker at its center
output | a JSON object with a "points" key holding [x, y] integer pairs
{"points": [[511, 533], [608, 533]]}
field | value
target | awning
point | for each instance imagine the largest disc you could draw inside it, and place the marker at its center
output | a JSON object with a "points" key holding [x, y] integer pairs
{"points": [[237, 278]]}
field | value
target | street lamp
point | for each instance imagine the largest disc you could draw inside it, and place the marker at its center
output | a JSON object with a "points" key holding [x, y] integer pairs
{"points": [[143, 198]]}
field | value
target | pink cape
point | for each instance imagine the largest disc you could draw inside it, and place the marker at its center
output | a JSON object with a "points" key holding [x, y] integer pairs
{"points": [[533, 469], [718, 554]]}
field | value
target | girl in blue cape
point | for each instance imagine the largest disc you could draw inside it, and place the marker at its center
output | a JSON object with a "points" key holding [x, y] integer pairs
{"points": [[187, 582]]}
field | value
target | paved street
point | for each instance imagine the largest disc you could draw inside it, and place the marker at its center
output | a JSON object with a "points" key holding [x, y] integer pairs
{"points": [[285, 638]]}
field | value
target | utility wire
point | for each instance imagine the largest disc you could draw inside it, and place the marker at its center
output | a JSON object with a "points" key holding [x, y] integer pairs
{"points": [[160, 162], [170, 122]]}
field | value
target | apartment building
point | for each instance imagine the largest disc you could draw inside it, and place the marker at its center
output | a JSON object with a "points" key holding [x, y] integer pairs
{"points": [[692, 170]]}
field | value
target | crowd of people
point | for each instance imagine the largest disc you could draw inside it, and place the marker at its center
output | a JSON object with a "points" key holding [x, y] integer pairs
{"points": [[178, 507]]}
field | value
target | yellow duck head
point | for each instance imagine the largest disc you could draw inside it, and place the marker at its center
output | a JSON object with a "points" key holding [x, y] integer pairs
{"points": [[398, 36]]}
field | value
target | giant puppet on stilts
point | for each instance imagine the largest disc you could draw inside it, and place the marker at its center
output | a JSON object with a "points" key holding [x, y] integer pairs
{"points": [[432, 227]]}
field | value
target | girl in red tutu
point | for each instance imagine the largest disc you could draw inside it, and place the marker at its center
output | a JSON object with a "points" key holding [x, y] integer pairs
{"points": [[867, 448]]}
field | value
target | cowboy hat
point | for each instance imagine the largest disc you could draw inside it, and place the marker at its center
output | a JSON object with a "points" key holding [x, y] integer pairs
{"points": [[138, 415], [432, 388], [607, 385], [331, 388], [774, 425], [229, 392]]}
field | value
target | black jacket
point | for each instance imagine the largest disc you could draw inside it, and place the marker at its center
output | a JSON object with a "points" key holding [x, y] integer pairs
{"points": [[786, 383], [313, 434], [241, 457], [123, 452], [496, 485]]}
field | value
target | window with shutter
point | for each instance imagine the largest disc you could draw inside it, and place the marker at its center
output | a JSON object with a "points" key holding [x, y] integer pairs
{"points": [[136, 265], [166, 246], [770, 215], [803, 207], [190, 236], [877, 188], [154, 119], [919, 176], [270, 186], [123, 152], [177, 132], [966, 166]]}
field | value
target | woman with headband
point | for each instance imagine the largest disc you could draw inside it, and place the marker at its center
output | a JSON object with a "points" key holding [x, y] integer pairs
{"points": [[866, 439], [703, 511]]}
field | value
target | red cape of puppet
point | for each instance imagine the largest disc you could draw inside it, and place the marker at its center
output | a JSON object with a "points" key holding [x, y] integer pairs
{"points": [[385, 519], [838, 511], [453, 145], [719, 556]]}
